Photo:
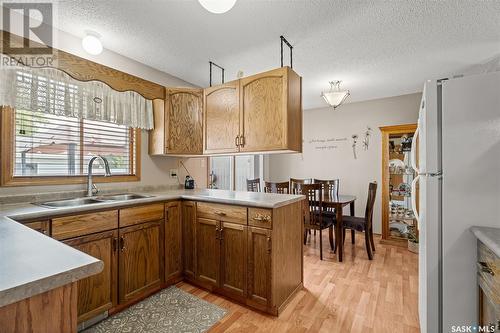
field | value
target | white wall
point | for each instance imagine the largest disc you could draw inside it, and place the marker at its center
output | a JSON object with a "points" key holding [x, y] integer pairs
{"points": [[337, 161], [155, 170]]}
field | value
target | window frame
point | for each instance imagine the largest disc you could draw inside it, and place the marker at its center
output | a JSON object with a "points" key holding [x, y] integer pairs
{"points": [[233, 167], [7, 178]]}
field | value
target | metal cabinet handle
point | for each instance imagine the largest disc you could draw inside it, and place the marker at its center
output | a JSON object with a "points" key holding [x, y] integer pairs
{"points": [[242, 141], [115, 244], [221, 236], [269, 244], [216, 232], [237, 141], [221, 213], [122, 244], [262, 218], [485, 268]]}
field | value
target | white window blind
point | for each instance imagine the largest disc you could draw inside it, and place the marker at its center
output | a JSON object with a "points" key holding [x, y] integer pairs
{"points": [[54, 145]]}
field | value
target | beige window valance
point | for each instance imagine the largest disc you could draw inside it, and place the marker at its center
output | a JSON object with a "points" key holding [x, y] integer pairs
{"points": [[52, 91]]}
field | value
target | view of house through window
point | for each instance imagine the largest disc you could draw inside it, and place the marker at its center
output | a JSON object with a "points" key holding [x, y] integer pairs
{"points": [[231, 172], [52, 145]]}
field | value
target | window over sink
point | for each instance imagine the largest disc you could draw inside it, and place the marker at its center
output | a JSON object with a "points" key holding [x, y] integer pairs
{"points": [[41, 148]]}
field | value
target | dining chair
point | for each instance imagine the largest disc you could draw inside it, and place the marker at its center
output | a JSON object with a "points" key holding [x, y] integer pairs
{"points": [[363, 224], [253, 185], [313, 215], [295, 184], [331, 190], [280, 187]]}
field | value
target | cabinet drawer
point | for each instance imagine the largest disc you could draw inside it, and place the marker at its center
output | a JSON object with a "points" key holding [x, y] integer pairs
{"points": [[84, 224], [219, 212], [40, 226], [141, 214], [260, 217]]}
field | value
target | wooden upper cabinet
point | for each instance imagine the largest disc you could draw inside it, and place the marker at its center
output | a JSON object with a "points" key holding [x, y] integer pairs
{"points": [[222, 118], [271, 111], [178, 123]]}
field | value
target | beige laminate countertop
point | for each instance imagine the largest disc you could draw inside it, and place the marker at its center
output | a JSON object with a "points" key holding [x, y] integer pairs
{"points": [[32, 263]]}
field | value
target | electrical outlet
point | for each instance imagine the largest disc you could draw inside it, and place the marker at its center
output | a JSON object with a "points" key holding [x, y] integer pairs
{"points": [[173, 173]]}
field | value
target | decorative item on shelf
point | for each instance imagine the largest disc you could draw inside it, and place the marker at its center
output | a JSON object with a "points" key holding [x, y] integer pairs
{"points": [[412, 239], [354, 143], [396, 166], [406, 143], [366, 140], [335, 97]]}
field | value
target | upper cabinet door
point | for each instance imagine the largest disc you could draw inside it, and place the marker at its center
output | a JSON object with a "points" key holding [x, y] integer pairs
{"points": [[263, 104], [183, 121], [222, 118]]}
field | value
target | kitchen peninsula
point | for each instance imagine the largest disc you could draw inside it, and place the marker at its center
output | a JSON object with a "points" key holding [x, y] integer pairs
{"points": [[246, 246]]}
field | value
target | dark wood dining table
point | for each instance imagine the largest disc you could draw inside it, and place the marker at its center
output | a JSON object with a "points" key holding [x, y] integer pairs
{"points": [[339, 202]]}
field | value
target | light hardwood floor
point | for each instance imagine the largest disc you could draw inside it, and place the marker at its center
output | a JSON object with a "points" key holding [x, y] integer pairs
{"points": [[357, 295]]}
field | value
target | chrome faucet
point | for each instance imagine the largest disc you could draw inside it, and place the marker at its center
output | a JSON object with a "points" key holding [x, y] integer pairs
{"points": [[91, 188]]}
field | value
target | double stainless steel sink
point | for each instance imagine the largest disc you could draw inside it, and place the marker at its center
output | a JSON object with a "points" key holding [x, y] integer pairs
{"points": [[92, 200]]}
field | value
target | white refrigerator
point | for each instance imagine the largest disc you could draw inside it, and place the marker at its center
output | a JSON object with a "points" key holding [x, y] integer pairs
{"points": [[459, 186]]}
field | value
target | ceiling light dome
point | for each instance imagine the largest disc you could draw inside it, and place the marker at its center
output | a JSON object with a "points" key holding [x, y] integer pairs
{"points": [[217, 6], [335, 97], [91, 43]]}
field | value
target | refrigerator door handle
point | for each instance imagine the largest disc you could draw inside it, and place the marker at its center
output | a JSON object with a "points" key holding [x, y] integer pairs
{"points": [[414, 149], [414, 199]]}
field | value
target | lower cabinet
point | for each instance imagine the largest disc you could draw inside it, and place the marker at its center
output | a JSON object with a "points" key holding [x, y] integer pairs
{"points": [[98, 293], [233, 259], [173, 242], [259, 247], [207, 252], [140, 264], [188, 235], [221, 256]]}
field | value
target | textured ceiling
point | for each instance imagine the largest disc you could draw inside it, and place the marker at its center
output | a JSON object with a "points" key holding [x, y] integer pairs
{"points": [[377, 48]]}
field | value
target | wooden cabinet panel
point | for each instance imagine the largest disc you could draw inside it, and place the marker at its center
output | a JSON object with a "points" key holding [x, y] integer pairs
{"points": [[53, 311], [260, 217], [141, 214], [233, 258], [40, 226], [188, 238], [140, 260], [173, 239], [222, 118], [263, 106], [184, 122], [85, 224], [98, 293], [207, 252], [157, 137], [259, 265], [221, 212]]}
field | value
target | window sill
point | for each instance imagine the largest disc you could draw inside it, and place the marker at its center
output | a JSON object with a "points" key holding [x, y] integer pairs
{"points": [[67, 180]]}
